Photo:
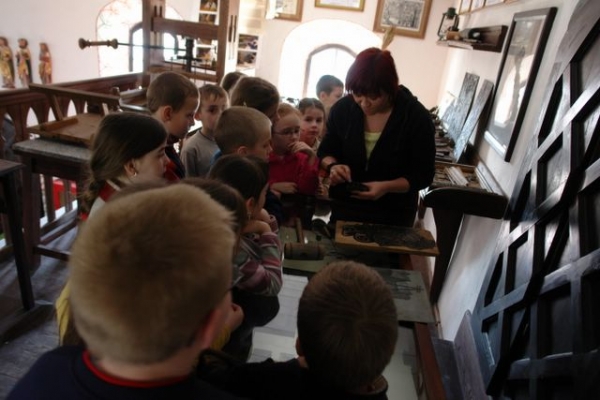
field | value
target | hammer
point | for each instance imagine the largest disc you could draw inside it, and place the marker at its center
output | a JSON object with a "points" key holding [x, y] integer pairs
{"points": [[301, 250]]}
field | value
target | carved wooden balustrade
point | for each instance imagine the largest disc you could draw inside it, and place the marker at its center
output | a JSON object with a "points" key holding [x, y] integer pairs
{"points": [[26, 107]]}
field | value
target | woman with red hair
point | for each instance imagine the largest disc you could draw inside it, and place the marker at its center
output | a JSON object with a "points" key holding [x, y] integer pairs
{"points": [[379, 149]]}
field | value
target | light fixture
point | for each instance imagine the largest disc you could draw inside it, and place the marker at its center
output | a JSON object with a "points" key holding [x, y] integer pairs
{"points": [[449, 22]]}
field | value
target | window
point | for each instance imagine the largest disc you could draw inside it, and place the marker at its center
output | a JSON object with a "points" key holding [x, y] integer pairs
{"points": [[327, 60], [307, 41]]}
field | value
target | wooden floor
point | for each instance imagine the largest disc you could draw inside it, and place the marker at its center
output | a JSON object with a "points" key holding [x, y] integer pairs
{"points": [[18, 354]]}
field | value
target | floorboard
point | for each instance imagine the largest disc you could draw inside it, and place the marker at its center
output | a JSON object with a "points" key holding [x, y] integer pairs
{"points": [[17, 355]]}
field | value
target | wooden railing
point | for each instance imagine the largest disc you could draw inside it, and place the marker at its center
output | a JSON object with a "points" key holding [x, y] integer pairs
{"points": [[19, 104]]}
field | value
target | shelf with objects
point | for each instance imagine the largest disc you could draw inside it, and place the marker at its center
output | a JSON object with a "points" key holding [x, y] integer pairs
{"points": [[247, 52], [461, 185], [490, 38]]}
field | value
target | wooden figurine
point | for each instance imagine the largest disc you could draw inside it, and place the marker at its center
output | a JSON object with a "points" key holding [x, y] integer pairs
{"points": [[24, 62], [7, 68], [45, 67]]}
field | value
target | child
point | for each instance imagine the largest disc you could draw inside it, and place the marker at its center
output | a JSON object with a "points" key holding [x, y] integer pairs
{"points": [[293, 165], [199, 150], [145, 302], [232, 200], [312, 122], [329, 90], [347, 331], [230, 79], [127, 148], [257, 93], [173, 100], [259, 255], [260, 251], [244, 131]]}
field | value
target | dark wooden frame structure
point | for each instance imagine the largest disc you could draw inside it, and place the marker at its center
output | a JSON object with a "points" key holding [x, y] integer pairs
{"points": [[537, 319]]}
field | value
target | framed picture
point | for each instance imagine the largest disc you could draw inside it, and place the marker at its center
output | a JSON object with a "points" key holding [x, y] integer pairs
{"points": [[406, 17], [352, 5], [209, 5], [477, 4], [289, 9], [521, 59], [465, 6], [493, 2]]}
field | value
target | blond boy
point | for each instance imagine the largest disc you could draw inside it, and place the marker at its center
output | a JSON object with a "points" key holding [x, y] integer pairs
{"points": [[198, 151], [245, 131], [173, 99], [145, 302]]}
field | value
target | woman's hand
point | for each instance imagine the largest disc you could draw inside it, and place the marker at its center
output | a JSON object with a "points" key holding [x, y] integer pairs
{"points": [[339, 173], [376, 190]]}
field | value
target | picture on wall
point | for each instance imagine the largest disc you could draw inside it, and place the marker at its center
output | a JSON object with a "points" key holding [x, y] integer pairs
{"points": [[289, 9], [352, 5], [521, 59], [406, 17]]}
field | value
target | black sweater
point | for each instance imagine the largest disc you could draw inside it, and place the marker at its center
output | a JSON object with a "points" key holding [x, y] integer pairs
{"points": [[406, 148]]}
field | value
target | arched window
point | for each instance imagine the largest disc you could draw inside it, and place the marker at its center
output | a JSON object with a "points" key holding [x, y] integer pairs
{"points": [[330, 59], [120, 19], [312, 40]]}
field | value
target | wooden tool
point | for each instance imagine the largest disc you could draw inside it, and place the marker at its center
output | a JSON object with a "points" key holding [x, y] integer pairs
{"points": [[301, 250]]}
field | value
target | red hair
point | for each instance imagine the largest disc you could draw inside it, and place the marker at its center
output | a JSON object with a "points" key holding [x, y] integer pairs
{"points": [[373, 73]]}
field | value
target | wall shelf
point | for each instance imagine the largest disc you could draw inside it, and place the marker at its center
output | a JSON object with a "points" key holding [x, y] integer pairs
{"points": [[490, 38]]}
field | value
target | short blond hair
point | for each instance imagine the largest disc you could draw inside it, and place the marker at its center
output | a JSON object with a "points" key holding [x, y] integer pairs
{"points": [[285, 109], [139, 292], [240, 126]]}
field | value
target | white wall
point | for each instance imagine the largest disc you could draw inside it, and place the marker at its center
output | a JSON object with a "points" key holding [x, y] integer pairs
{"points": [[478, 236], [420, 62], [61, 23]]}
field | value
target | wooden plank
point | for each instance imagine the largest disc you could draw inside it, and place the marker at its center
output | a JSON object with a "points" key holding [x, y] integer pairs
{"points": [[80, 132], [406, 235]]}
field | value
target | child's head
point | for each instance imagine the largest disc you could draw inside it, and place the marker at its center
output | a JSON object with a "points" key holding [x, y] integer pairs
{"points": [[225, 195], [313, 120], [347, 325], [173, 99], [230, 79], [286, 131], [213, 101], [256, 93], [248, 174], [245, 131], [127, 147], [139, 293], [329, 90]]}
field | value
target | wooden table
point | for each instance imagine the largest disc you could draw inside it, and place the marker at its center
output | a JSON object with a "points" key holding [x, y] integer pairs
{"points": [[14, 324], [56, 159]]}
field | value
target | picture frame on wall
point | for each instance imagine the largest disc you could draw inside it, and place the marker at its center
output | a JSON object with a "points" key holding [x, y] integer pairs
{"points": [[521, 59], [465, 6], [290, 10], [406, 17], [493, 2], [350, 5]]}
